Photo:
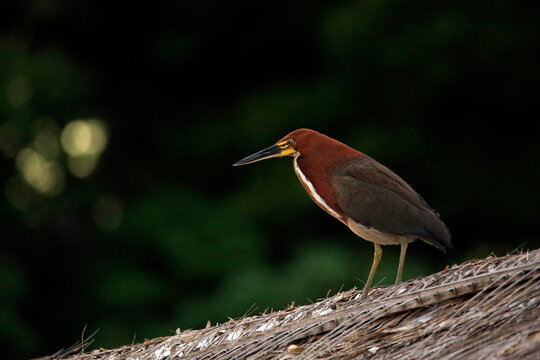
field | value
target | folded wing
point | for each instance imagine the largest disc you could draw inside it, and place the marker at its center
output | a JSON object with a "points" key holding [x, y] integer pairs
{"points": [[374, 196]]}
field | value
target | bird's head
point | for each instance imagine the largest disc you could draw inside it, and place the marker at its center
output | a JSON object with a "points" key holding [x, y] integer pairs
{"points": [[290, 145]]}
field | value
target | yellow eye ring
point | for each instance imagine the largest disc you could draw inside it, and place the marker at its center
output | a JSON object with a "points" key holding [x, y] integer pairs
{"points": [[286, 144]]}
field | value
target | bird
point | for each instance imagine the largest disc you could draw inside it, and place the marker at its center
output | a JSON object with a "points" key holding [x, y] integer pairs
{"points": [[370, 199]]}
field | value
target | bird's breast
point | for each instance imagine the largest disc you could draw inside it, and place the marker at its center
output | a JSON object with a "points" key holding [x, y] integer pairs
{"points": [[312, 191]]}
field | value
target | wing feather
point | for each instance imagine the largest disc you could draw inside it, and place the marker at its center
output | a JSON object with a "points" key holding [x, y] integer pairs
{"points": [[374, 196]]}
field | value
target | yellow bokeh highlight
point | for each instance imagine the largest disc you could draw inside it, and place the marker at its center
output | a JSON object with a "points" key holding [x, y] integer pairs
{"points": [[84, 140], [84, 137], [82, 166], [38, 165], [45, 176]]}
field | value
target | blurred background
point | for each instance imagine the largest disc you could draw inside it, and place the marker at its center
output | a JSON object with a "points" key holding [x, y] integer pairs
{"points": [[121, 211]]}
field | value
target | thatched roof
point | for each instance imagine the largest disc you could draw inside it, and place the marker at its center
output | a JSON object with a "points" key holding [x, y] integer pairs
{"points": [[482, 309]]}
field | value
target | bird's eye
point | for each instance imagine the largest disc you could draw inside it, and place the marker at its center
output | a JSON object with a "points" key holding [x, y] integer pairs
{"points": [[290, 142]]}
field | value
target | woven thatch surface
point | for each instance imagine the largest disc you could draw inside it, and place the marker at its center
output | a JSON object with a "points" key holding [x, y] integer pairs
{"points": [[482, 309]]}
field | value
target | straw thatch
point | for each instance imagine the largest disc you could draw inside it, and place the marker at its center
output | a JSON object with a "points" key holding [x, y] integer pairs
{"points": [[483, 309]]}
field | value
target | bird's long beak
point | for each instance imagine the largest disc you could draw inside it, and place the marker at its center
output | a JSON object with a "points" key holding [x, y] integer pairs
{"points": [[272, 151]]}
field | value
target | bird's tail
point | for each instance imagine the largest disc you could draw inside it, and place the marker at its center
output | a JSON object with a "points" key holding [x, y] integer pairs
{"points": [[437, 234]]}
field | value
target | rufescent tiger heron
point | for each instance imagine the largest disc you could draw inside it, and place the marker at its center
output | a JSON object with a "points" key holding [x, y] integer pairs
{"points": [[369, 198]]}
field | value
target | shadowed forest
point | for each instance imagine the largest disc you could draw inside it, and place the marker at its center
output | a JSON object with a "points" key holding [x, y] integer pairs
{"points": [[121, 211]]}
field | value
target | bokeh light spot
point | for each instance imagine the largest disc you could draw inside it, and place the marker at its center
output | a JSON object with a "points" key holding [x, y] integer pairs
{"points": [[84, 140], [84, 137], [83, 165], [47, 177]]}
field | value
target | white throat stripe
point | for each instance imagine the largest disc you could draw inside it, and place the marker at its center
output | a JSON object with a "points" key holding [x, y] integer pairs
{"points": [[318, 199]]}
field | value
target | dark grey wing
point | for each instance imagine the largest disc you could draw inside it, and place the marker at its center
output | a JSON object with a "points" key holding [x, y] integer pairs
{"points": [[374, 196]]}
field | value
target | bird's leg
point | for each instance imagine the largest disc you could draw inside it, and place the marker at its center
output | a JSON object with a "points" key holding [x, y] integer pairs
{"points": [[402, 253], [376, 259]]}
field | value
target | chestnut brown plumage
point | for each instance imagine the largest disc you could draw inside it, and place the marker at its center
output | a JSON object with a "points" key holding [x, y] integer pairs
{"points": [[369, 198]]}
